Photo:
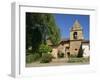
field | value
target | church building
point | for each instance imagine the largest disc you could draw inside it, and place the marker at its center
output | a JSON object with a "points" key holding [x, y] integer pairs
{"points": [[76, 45]]}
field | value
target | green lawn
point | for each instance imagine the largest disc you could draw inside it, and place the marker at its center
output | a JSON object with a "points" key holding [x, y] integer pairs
{"points": [[79, 60]]}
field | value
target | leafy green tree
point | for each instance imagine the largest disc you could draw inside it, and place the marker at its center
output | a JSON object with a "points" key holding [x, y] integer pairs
{"points": [[44, 49], [39, 27]]}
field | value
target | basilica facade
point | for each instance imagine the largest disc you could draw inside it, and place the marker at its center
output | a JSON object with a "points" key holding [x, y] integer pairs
{"points": [[76, 45]]}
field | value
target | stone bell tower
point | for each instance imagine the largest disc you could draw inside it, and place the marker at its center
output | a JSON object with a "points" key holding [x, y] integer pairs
{"points": [[76, 37]]}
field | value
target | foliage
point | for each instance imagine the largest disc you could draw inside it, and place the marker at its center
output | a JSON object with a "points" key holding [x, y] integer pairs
{"points": [[40, 26], [54, 31], [32, 57], [29, 58], [46, 58], [44, 49], [36, 57], [29, 51], [80, 53]]}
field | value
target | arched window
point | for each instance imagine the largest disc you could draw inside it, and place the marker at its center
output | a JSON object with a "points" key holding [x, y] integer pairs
{"points": [[75, 35]]}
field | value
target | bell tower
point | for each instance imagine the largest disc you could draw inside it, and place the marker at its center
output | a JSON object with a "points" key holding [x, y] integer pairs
{"points": [[76, 37]]}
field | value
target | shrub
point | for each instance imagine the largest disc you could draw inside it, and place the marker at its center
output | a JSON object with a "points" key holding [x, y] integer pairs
{"points": [[36, 56], [44, 48], [32, 57], [29, 51], [46, 58], [29, 58]]}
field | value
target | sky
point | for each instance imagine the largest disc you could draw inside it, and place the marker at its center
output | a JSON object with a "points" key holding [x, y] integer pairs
{"points": [[66, 21]]}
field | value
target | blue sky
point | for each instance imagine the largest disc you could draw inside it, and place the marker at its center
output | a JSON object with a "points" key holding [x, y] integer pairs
{"points": [[66, 21]]}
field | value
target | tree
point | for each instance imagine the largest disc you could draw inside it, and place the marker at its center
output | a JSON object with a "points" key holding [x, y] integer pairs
{"points": [[80, 53], [54, 31], [39, 27], [44, 49]]}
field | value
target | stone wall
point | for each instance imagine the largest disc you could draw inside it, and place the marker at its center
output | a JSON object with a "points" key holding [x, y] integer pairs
{"points": [[60, 48], [74, 47], [86, 51], [54, 52]]}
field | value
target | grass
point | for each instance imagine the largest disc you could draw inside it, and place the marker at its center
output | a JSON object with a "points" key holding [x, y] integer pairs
{"points": [[45, 58], [79, 60], [32, 58]]}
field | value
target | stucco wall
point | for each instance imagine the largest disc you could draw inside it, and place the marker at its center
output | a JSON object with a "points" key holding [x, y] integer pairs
{"points": [[86, 51], [74, 47]]}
